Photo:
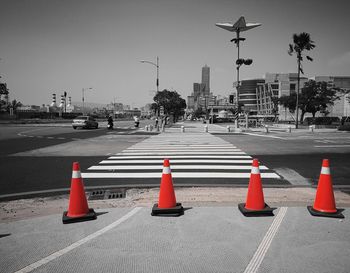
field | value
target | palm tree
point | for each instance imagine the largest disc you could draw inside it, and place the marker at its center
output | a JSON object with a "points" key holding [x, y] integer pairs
{"points": [[301, 42]]}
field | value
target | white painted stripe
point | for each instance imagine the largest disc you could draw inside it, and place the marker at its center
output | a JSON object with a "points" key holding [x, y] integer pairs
{"points": [[177, 175], [260, 253], [255, 170], [76, 174], [176, 161], [181, 153], [178, 156], [166, 170], [176, 167], [332, 146], [251, 134], [202, 144], [181, 150], [147, 147], [84, 240], [325, 170]]}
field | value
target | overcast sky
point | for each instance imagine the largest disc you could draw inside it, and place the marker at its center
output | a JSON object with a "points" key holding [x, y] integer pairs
{"points": [[52, 46]]}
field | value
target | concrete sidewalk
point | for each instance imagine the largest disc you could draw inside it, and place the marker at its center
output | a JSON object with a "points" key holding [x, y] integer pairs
{"points": [[212, 235], [204, 239]]}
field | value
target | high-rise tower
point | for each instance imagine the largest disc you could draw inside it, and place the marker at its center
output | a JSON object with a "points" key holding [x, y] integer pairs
{"points": [[206, 79]]}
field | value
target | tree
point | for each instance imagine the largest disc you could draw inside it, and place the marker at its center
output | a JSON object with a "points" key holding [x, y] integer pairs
{"points": [[172, 103], [199, 112], [317, 96], [14, 105], [288, 102], [301, 43]]}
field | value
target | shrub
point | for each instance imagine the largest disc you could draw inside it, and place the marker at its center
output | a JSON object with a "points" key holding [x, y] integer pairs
{"points": [[344, 127]]}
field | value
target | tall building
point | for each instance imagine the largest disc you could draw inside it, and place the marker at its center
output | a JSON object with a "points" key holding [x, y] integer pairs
{"points": [[206, 79]]}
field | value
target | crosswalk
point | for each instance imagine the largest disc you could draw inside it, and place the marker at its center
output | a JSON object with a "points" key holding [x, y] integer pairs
{"points": [[192, 156]]}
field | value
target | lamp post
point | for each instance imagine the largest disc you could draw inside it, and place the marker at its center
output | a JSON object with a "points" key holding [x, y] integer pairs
{"points": [[157, 66], [83, 92], [239, 26]]}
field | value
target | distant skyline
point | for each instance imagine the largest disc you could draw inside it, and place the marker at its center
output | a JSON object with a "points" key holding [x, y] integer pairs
{"points": [[52, 46]]}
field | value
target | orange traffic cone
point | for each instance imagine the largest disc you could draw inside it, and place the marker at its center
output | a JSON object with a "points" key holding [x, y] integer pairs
{"points": [[255, 204], [324, 204], [167, 205], [78, 209]]}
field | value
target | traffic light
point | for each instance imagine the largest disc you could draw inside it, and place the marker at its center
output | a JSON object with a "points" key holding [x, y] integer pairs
{"points": [[239, 62], [248, 61], [231, 97]]}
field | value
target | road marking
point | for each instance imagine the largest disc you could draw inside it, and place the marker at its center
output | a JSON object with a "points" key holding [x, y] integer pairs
{"points": [[160, 161], [260, 253], [181, 150], [175, 167], [181, 153], [194, 156], [177, 175], [178, 146], [88, 238], [121, 158], [332, 146], [264, 135]]}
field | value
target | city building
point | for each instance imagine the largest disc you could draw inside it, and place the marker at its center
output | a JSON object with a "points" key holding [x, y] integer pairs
{"points": [[206, 79], [201, 91], [247, 95], [276, 85]]}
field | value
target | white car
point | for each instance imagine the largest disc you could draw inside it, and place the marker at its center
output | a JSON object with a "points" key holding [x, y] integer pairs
{"points": [[84, 122]]}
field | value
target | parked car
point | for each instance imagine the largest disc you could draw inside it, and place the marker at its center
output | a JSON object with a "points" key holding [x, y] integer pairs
{"points": [[84, 122]]}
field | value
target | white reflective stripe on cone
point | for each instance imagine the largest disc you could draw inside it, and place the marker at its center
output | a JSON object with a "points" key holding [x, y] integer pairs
{"points": [[255, 170], [166, 170], [325, 170], [76, 174]]}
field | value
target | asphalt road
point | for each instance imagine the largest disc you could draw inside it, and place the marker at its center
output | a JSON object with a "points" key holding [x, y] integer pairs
{"points": [[296, 157]]}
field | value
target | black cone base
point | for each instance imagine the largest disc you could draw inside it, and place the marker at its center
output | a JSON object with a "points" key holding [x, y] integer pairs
{"points": [[91, 215], [178, 210], [314, 212], [267, 211]]}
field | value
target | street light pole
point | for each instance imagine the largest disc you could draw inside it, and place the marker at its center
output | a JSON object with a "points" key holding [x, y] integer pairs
{"points": [[157, 66], [83, 90], [239, 26]]}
